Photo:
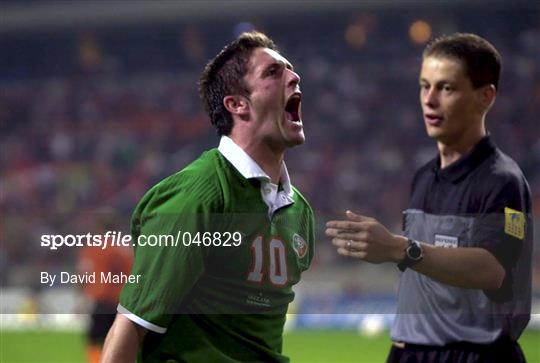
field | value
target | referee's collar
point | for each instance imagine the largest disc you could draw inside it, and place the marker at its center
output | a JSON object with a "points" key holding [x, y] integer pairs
{"points": [[468, 162], [248, 167]]}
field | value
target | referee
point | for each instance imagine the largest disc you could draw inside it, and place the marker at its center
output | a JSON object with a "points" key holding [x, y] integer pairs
{"points": [[465, 256]]}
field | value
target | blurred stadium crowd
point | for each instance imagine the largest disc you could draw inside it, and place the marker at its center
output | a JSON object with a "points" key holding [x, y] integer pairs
{"points": [[91, 119]]}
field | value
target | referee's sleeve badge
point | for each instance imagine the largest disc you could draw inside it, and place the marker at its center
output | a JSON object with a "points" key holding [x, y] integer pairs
{"points": [[514, 223]]}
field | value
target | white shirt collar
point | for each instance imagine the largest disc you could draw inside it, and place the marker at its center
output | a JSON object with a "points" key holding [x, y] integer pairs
{"points": [[248, 167]]}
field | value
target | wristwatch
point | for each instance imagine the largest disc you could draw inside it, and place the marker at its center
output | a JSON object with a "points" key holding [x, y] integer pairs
{"points": [[413, 255]]}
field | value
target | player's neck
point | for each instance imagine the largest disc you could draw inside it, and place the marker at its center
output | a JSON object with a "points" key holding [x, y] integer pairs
{"points": [[271, 166], [450, 152], [269, 160]]}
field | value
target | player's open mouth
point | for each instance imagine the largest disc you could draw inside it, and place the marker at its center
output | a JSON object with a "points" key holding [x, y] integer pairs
{"points": [[292, 108]]}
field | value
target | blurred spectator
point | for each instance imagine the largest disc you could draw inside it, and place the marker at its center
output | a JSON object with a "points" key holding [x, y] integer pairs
{"points": [[122, 112]]}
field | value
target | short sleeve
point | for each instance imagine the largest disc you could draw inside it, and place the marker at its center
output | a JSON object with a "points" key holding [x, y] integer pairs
{"points": [[494, 229], [501, 230], [167, 272]]}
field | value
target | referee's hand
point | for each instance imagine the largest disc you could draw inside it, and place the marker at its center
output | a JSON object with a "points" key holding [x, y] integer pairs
{"points": [[365, 238]]}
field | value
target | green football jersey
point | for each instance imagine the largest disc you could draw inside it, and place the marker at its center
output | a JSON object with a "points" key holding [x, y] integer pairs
{"points": [[221, 288]]}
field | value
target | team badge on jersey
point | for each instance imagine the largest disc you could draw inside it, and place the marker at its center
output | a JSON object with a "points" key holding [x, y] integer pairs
{"points": [[299, 245], [514, 223]]}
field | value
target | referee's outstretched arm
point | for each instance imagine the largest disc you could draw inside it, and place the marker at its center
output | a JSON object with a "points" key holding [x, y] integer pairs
{"points": [[367, 239]]}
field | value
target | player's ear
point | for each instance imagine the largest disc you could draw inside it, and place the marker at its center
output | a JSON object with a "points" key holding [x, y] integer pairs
{"points": [[237, 105]]}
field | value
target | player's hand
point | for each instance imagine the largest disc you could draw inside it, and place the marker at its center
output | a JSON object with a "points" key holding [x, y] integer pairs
{"points": [[365, 238]]}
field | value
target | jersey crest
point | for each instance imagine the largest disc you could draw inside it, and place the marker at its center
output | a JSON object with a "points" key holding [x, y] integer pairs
{"points": [[299, 245]]}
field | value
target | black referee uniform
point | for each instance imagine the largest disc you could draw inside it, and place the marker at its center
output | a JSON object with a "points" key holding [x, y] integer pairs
{"points": [[481, 200]]}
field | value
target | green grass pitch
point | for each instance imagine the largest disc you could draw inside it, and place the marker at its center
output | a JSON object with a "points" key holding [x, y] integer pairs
{"points": [[301, 346], [346, 346]]}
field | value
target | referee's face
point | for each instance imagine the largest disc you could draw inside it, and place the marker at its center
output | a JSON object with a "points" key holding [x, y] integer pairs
{"points": [[451, 106]]}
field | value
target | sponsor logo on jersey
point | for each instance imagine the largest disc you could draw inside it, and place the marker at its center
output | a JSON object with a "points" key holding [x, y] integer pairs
{"points": [[299, 245], [259, 300], [445, 241], [514, 223]]}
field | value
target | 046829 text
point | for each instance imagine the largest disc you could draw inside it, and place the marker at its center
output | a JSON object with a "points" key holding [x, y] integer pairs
{"points": [[113, 238]]}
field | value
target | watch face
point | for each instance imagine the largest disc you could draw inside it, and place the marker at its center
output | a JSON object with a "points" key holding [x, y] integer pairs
{"points": [[414, 251]]}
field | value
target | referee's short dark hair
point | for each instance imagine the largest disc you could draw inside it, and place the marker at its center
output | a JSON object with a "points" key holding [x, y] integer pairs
{"points": [[223, 76], [481, 60]]}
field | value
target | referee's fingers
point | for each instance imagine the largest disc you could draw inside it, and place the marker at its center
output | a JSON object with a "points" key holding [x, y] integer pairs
{"points": [[343, 243], [357, 217], [345, 252], [346, 235], [333, 232], [349, 244], [346, 225], [349, 226]]}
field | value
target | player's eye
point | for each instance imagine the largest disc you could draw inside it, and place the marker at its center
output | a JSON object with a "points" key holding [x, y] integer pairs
{"points": [[274, 71]]}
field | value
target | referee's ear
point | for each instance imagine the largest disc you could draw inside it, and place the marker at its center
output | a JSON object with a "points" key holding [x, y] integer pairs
{"points": [[487, 96]]}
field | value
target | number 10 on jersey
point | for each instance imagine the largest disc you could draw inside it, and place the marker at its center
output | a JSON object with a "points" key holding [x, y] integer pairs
{"points": [[276, 269]]}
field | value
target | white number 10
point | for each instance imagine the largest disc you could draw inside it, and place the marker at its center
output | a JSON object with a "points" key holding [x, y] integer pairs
{"points": [[278, 262]]}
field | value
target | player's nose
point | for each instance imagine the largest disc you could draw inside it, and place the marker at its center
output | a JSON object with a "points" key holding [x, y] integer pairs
{"points": [[294, 78]]}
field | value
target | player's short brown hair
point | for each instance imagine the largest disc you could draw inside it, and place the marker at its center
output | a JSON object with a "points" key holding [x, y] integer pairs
{"points": [[224, 75], [481, 60]]}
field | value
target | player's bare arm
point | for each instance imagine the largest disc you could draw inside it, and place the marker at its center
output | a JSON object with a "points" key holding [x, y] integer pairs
{"points": [[367, 239], [123, 341]]}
